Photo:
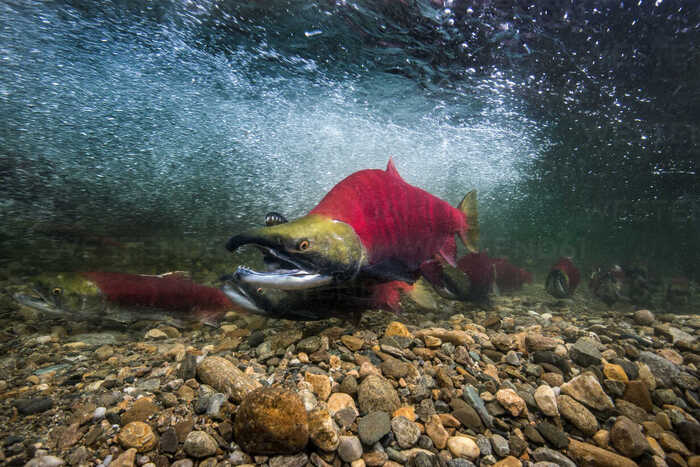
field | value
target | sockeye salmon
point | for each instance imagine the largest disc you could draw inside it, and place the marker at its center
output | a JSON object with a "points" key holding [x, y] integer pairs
{"points": [[371, 228]]}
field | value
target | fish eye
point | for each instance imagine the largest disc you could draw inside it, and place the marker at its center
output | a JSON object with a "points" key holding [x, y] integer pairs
{"points": [[57, 291], [303, 245]]}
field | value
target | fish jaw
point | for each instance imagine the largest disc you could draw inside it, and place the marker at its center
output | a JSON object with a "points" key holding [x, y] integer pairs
{"points": [[312, 251]]}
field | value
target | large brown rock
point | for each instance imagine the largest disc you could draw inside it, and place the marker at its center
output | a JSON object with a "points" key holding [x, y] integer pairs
{"points": [[271, 421], [627, 438], [223, 376]]}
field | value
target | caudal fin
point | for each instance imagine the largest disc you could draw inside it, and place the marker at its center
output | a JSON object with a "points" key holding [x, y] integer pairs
{"points": [[470, 236]]}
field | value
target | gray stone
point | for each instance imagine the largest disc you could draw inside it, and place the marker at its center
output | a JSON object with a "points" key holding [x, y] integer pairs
{"points": [[663, 370], [544, 454], [422, 460], [377, 394], [168, 441], [460, 463], [309, 345], [350, 448], [215, 402], [200, 444], [373, 427], [500, 445], [405, 431], [555, 436], [32, 406], [585, 352], [471, 396], [296, 460], [484, 445]]}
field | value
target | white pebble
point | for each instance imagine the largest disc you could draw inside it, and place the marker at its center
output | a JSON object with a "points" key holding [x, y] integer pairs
{"points": [[99, 413]]}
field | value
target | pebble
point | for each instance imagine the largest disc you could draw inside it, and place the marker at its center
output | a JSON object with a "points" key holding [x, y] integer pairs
{"points": [[339, 401], [405, 431], [546, 400], [663, 370], [511, 401], [544, 454], [464, 447], [377, 394], [45, 461], [223, 376], [585, 352], [500, 445], [637, 393], [33, 406], [577, 414], [323, 431], [436, 432], [626, 436], [138, 435], [644, 317], [297, 460], [373, 427], [125, 459], [554, 435], [349, 448], [586, 389], [199, 444]]}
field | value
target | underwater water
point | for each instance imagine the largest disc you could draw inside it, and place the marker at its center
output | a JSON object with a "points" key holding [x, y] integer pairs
{"points": [[172, 125]]}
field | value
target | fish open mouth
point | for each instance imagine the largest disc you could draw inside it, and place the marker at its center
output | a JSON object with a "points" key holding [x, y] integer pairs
{"points": [[283, 272]]}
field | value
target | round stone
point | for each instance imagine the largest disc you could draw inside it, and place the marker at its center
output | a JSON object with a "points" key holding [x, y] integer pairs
{"points": [[463, 447], [138, 435], [271, 421], [350, 448], [644, 317], [200, 444], [377, 394]]}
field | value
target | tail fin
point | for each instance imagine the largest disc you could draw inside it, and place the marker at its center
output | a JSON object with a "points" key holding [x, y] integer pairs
{"points": [[470, 237]]}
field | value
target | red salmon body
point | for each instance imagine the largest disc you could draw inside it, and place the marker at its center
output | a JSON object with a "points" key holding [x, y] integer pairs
{"points": [[510, 277], [479, 268], [387, 296], [166, 292], [395, 221]]}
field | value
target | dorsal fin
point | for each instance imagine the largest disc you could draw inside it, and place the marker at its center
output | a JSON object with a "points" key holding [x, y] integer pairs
{"points": [[391, 168]]}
